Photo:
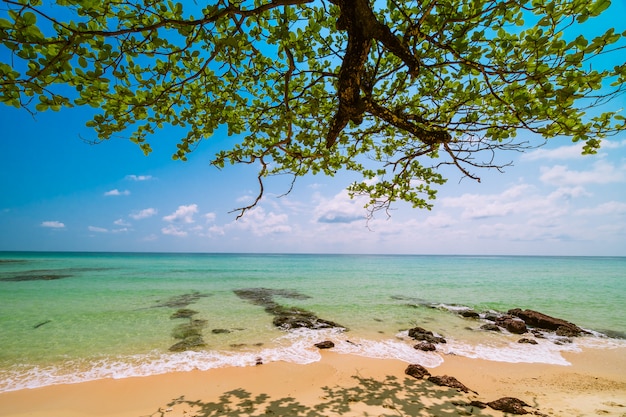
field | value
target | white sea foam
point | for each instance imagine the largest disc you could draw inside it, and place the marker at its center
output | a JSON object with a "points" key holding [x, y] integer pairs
{"points": [[544, 351], [294, 347]]}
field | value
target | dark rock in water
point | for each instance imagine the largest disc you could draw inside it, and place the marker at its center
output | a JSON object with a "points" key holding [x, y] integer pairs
{"points": [[183, 313], [509, 405], [567, 332], [563, 341], [265, 296], [38, 325], [490, 327], [449, 381], [220, 331], [615, 334], [286, 318], [183, 331], [491, 316], [417, 371], [295, 318], [188, 343], [259, 361], [181, 301], [326, 344], [543, 321], [425, 346], [528, 341], [35, 277], [538, 334], [512, 324], [470, 314], [418, 333]]}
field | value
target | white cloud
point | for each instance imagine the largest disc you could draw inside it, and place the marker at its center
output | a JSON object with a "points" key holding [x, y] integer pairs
{"points": [[602, 173], [53, 224], [605, 209], [97, 229], [481, 206], [121, 222], [143, 214], [116, 192], [340, 209], [210, 217], [216, 230], [562, 152], [184, 214], [173, 231], [261, 223], [612, 144], [139, 177]]}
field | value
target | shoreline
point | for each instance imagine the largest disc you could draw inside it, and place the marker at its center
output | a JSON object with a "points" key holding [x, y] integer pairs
{"points": [[346, 384]]}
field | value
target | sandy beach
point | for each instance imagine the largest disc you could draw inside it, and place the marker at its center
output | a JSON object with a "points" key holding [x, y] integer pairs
{"points": [[594, 384]]}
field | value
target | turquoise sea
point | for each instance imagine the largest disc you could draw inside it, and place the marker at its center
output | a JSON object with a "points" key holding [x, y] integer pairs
{"points": [[71, 317]]}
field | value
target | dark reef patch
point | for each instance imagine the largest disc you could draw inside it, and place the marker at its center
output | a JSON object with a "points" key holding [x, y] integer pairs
{"points": [[285, 318], [45, 274], [180, 301]]}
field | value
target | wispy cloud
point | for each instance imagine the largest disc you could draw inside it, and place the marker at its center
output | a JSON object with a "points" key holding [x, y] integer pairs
{"points": [[143, 214], [139, 177], [116, 192], [183, 214], [53, 224], [97, 229], [121, 222], [604, 209], [603, 172], [172, 230], [562, 152]]}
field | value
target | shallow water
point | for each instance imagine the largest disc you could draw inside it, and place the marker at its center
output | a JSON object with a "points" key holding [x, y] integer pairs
{"points": [[77, 316]]}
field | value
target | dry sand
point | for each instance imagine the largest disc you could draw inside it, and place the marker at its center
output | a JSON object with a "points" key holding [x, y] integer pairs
{"points": [[594, 385]]}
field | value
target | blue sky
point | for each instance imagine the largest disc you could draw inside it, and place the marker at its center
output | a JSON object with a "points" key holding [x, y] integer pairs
{"points": [[60, 193]]}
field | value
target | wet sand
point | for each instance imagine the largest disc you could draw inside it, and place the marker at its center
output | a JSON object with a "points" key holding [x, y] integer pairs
{"points": [[593, 385]]}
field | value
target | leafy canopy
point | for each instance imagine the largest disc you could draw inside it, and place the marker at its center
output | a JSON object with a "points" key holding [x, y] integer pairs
{"points": [[391, 89]]}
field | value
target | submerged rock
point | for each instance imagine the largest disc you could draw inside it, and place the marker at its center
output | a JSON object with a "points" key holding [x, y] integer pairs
{"points": [[181, 301], [528, 341], [417, 371], [183, 331], [295, 318], [38, 325], [285, 318], [35, 277], [220, 331], [188, 343], [183, 313]]}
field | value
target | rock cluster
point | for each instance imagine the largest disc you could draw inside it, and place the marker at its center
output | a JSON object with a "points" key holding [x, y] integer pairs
{"points": [[518, 321], [428, 340], [506, 404]]}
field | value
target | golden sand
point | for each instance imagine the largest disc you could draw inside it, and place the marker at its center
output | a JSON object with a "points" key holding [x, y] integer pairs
{"points": [[593, 385]]}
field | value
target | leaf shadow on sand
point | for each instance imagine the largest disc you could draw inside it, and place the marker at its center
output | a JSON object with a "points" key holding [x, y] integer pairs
{"points": [[366, 397]]}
